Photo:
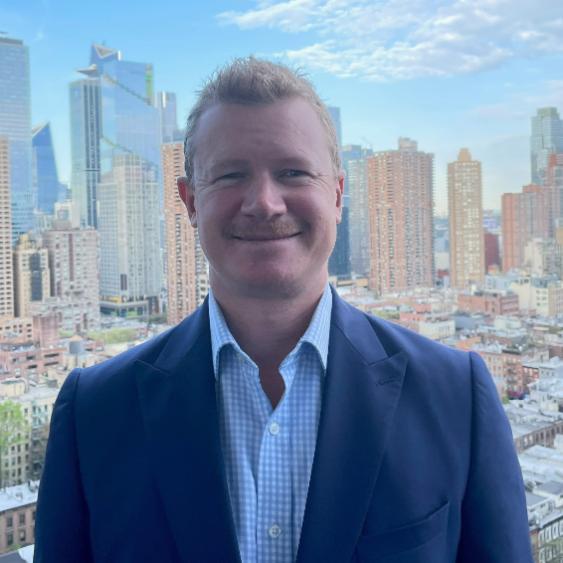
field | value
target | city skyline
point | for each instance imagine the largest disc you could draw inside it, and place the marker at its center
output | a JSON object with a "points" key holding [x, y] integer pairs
{"points": [[428, 77]]}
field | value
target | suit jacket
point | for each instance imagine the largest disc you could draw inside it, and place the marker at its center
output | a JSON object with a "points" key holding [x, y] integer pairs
{"points": [[414, 460]]}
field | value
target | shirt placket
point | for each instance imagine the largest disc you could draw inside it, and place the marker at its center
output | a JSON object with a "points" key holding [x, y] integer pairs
{"points": [[274, 525]]}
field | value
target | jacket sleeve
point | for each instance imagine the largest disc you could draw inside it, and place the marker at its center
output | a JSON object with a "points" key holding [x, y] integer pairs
{"points": [[61, 528], [494, 522]]}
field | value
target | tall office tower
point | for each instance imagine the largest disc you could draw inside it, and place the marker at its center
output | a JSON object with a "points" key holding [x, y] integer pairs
{"points": [[73, 263], [339, 261], [114, 122], [525, 216], [465, 203], [334, 113], [32, 282], [85, 133], [400, 185], [546, 139], [15, 125], [355, 185], [130, 268], [182, 246], [46, 183], [166, 104], [6, 272]]}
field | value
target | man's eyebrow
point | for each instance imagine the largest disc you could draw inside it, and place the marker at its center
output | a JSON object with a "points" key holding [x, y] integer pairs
{"points": [[221, 165]]}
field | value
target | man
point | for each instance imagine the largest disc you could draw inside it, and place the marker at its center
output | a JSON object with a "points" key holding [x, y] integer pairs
{"points": [[278, 423]]}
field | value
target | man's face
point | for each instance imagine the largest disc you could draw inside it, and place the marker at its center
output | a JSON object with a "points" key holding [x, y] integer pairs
{"points": [[266, 198]]}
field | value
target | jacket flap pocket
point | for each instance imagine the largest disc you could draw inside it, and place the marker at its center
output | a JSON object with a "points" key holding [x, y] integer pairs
{"points": [[406, 537]]}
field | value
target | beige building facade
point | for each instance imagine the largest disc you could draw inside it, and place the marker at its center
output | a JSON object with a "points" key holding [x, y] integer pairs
{"points": [[32, 280], [6, 272], [400, 201], [187, 277], [465, 203]]}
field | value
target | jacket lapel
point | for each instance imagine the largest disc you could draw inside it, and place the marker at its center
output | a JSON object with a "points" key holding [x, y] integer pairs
{"points": [[179, 410], [362, 387]]}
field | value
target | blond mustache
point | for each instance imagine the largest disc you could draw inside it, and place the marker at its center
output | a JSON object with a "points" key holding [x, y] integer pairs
{"points": [[265, 231]]}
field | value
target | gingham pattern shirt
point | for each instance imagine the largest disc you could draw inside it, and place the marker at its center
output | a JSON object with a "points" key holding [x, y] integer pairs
{"points": [[269, 452]]}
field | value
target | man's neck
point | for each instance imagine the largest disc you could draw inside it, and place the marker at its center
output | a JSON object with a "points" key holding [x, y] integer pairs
{"points": [[268, 329]]}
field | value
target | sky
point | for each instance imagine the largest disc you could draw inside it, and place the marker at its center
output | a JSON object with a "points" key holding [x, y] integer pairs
{"points": [[447, 73]]}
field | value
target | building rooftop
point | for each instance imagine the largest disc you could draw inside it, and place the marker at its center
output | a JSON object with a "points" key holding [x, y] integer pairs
{"points": [[22, 555], [18, 495]]}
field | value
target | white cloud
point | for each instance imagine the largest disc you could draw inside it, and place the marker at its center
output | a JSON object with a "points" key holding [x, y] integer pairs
{"points": [[404, 39]]}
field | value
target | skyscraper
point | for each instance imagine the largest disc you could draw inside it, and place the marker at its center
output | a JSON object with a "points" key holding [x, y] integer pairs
{"points": [[15, 126], [183, 251], [546, 139], [400, 185], [166, 104], [465, 202], [6, 272], [85, 132], [46, 183], [116, 161], [334, 113], [339, 261], [355, 185]]}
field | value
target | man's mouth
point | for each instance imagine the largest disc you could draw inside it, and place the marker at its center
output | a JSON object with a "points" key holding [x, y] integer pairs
{"points": [[265, 238]]}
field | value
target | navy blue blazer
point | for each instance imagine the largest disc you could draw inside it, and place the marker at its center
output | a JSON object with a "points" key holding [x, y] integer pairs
{"points": [[414, 461]]}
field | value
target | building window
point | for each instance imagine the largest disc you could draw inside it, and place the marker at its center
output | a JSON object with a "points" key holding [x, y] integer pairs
{"points": [[22, 518], [22, 535], [9, 521]]}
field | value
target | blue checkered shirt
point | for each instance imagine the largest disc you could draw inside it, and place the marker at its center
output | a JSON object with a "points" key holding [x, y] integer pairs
{"points": [[269, 452]]}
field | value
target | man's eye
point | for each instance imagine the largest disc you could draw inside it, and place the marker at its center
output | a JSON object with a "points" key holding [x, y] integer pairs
{"points": [[230, 176], [292, 173]]}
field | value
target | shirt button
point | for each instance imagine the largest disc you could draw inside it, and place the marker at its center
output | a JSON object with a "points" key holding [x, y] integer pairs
{"points": [[274, 428], [274, 531]]}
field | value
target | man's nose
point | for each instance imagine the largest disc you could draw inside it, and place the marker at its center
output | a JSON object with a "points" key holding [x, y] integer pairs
{"points": [[263, 198]]}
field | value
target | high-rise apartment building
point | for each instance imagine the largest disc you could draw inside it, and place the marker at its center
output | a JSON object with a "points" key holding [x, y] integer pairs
{"points": [[400, 194], [32, 281], [186, 271], [114, 121], [546, 139], [46, 183], [15, 125], [73, 264], [6, 272], [465, 202], [525, 216]]}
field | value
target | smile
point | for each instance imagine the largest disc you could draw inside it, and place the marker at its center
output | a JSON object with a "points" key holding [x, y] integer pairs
{"points": [[265, 239]]}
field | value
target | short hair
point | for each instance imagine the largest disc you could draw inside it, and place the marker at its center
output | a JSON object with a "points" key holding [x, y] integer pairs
{"points": [[249, 81]]}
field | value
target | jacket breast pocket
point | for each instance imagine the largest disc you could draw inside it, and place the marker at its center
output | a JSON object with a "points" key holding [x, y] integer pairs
{"points": [[408, 540]]}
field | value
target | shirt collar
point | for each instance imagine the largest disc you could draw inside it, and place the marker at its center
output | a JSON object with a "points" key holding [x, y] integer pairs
{"points": [[317, 333]]}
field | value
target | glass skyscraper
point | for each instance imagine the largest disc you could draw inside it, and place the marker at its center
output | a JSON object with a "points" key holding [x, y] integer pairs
{"points": [[115, 130], [546, 139], [15, 126], [46, 185]]}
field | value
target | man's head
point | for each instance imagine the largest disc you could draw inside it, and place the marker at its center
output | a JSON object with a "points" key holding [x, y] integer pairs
{"points": [[263, 182]]}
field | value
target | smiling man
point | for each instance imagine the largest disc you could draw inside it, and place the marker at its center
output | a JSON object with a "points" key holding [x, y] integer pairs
{"points": [[277, 423]]}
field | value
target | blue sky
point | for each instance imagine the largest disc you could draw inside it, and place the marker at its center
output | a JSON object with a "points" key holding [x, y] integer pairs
{"points": [[448, 73]]}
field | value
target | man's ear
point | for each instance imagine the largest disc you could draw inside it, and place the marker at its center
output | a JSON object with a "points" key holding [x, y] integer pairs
{"points": [[187, 195], [339, 196]]}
